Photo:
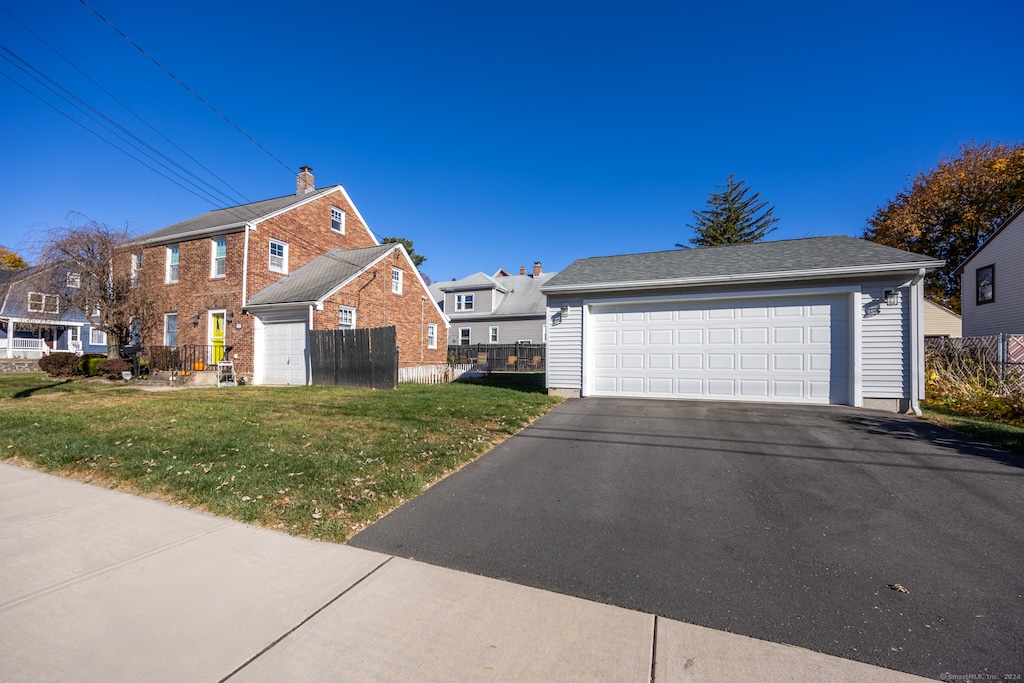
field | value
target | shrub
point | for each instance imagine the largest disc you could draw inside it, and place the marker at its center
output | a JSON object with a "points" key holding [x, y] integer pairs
{"points": [[113, 367], [89, 363], [60, 364]]}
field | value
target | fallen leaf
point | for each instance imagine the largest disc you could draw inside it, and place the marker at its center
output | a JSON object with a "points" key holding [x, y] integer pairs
{"points": [[898, 588]]}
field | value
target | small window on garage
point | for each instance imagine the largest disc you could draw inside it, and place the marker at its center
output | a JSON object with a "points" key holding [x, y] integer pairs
{"points": [[346, 318]]}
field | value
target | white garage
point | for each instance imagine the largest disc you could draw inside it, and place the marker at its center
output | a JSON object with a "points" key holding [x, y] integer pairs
{"points": [[285, 361], [789, 349], [824, 320]]}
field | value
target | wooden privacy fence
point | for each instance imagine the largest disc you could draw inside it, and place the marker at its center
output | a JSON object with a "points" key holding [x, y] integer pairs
{"points": [[365, 358]]}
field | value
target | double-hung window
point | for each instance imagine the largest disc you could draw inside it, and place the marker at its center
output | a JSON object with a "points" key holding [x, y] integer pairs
{"points": [[171, 329], [396, 280], [337, 220], [278, 256], [464, 302], [464, 336], [431, 335], [43, 303], [74, 281], [220, 257], [494, 335], [346, 318], [97, 337], [172, 264], [136, 267]]}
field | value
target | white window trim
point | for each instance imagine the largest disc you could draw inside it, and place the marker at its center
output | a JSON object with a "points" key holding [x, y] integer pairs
{"points": [[136, 267], [74, 335], [464, 302], [40, 307], [213, 257], [492, 334], [97, 337], [396, 283], [170, 250], [176, 321], [341, 309], [469, 337], [73, 281], [284, 256], [336, 211], [431, 335]]}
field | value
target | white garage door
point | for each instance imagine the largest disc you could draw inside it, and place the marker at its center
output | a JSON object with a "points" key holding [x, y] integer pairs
{"points": [[284, 358], [775, 350]]}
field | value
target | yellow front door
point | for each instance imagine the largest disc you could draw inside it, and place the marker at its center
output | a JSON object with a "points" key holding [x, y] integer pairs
{"points": [[217, 337]]}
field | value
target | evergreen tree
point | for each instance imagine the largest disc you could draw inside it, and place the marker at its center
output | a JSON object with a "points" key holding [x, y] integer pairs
{"points": [[417, 259], [731, 217]]}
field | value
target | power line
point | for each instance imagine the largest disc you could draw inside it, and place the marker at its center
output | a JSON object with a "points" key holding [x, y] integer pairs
{"points": [[132, 112], [182, 84]]}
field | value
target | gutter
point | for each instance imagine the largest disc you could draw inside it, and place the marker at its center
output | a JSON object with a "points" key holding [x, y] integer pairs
{"points": [[740, 279], [917, 342]]}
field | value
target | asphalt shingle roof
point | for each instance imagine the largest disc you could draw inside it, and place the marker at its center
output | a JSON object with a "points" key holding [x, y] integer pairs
{"points": [[231, 216], [837, 252], [317, 278], [521, 294]]}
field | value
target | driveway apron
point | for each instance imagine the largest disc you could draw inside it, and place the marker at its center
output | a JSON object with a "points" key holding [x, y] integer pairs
{"points": [[866, 535]]}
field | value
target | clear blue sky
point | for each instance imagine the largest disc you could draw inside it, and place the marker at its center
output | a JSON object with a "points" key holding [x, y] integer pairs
{"points": [[496, 134]]}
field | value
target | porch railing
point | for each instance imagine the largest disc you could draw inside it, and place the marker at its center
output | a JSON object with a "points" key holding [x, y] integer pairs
{"points": [[21, 347], [181, 360]]}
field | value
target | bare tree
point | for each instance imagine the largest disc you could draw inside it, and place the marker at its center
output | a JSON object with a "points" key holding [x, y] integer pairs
{"points": [[87, 264]]}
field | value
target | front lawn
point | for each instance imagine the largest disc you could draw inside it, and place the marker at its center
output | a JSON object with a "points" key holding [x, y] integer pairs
{"points": [[314, 461]]}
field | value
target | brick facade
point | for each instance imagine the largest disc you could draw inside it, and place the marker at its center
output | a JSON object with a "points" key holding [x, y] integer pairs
{"points": [[307, 232]]}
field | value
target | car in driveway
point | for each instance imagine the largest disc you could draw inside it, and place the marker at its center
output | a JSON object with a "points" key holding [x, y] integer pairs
{"points": [[862, 534]]}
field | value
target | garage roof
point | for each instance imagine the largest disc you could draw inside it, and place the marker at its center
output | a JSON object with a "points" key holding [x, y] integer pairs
{"points": [[809, 258], [317, 279]]}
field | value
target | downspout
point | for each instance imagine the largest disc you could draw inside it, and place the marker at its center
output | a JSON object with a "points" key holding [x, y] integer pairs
{"points": [[917, 342], [245, 265]]}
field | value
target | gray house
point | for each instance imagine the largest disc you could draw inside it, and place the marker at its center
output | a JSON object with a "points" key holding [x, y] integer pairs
{"points": [[499, 309], [992, 282], [818, 320]]}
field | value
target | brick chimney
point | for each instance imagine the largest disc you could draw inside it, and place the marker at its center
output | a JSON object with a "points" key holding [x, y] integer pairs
{"points": [[522, 270], [304, 181], [536, 269]]}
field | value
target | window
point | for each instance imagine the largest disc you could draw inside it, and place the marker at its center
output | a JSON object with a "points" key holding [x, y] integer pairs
{"points": [[986, 284], [220, 257], [43, 303], [464, 302], [431, 335], [172, 264], [136, 267], [171, 329], [346, 318], [337, 220], [74, 281], [135, 330], [97, 338], [544, 334], [396, 280], [74, 335], [494, 335], [464, 336], [278, 256]]}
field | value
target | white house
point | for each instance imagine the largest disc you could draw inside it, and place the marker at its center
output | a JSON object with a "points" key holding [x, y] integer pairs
{"points": [[992, 282], [818, 320]]}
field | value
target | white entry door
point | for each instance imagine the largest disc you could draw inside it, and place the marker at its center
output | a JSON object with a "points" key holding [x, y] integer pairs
{"points": [[284, 357], [789, 350]]}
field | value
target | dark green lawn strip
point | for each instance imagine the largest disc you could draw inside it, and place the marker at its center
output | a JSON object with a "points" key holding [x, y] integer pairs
{"points": [[314, 461], [998, 434]]}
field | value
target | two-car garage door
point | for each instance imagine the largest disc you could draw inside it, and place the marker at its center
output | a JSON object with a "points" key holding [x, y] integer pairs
{"points": [[776, 350]]}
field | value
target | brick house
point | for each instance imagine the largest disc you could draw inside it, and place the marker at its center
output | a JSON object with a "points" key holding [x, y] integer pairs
{"points": [[257, 277]]}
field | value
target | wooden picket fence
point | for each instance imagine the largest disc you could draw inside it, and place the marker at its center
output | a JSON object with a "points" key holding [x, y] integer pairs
{"points": [[441, 373]]}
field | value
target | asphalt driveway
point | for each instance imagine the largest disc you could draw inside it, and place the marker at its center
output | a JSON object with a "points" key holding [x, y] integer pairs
{"points": [[788, 524]]}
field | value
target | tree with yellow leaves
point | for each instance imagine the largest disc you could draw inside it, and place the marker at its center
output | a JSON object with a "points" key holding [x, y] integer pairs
{"points": [[10, 260], [948, 211]]}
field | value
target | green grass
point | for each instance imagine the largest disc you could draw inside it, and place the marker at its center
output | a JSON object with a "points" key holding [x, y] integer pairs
{"points": [[1000, 434], [315, 461]]}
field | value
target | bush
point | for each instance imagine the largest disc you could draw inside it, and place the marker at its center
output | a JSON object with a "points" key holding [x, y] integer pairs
{"points": [[113, 367], [89, 363], [60, 364]]}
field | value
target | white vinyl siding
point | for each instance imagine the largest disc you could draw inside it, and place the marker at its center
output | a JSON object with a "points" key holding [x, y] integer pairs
{"points": [[941, 322], [885, 332], [1005, 314], [565, 343]]}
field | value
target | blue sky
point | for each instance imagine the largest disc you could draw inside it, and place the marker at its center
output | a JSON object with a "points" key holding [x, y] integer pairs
{"points": [[496, 135]]}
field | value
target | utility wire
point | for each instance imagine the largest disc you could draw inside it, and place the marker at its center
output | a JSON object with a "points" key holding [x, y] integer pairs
{"points": [[106, 120], [133, 113], [182, 84]]}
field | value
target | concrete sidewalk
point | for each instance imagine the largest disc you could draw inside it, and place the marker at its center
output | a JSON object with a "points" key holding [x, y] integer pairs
{"points": [[102, 586]]}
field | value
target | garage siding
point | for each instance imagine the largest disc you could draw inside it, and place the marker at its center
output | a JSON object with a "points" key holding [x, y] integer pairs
{"points": [[884, 343], [565, 343]]}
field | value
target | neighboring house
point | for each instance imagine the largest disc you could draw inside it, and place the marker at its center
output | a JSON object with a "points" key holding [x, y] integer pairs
{"points": [[818, 320], [257, 278], [499, 309], [34, 321], [939, 321], [992, 282]]}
